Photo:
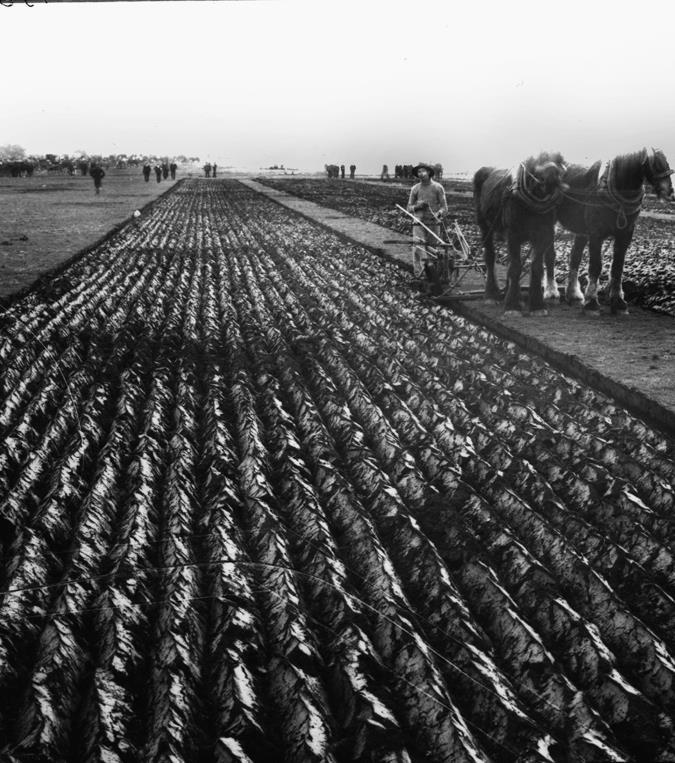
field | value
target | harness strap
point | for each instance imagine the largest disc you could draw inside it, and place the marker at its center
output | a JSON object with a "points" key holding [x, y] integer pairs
{"points": [[623, 205]]}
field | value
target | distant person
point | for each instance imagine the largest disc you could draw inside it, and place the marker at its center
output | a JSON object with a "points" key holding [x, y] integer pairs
{"points": [[352, 171], [158, 172], [147, 169], [173, 167], [98, 173], [428, 203], [385, 172], [165, 170], [207, 169], [213, 169], [342, 171]]}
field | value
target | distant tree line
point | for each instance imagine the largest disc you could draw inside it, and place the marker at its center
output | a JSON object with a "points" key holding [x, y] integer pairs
{"points": [[15, 162]]}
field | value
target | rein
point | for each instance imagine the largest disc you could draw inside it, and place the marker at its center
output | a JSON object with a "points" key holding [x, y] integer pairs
{"points": [[520, 190]]}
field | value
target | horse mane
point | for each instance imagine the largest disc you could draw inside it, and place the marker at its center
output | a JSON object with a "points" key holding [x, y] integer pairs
{"points": [[584, 178], [632, 156]]}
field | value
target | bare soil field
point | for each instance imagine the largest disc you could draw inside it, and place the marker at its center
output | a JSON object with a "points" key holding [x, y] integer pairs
{"points": [[47, 218], [649, 274], [627, 357], [258, 502], [635, 351]]}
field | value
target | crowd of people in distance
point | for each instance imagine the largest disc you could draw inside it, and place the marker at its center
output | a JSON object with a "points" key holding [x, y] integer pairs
{"points": [[162, 171], [338, 171], [401, 171], [406, 171]]}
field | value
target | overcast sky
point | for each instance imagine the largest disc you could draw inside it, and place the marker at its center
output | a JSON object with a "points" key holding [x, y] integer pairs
{"points": [[255, 82]]}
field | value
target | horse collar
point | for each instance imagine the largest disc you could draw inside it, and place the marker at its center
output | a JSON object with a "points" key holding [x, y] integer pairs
{"points": [[621, 204], [520, 190], [607, 186]]}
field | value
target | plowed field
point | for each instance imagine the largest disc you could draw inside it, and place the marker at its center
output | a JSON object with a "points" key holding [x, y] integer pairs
{"points": [[258, 503], [649, 273]]}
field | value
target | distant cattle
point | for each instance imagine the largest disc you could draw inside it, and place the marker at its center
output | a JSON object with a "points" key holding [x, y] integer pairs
{"points": [[17, 169]]}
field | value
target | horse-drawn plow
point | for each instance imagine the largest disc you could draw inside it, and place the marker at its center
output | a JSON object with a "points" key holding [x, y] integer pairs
{"points": [[259, 503], [649, 271]]}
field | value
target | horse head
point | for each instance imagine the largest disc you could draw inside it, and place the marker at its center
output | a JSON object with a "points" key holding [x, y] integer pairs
{"points": [[658, 172], [545, 174], [540, 181]]}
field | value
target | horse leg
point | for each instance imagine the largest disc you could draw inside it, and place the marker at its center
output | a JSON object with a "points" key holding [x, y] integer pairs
{"points": [[549, 283], [617, 303], [512, 297], [591, 304], [573, 292], [492, 293], [542, 241]]}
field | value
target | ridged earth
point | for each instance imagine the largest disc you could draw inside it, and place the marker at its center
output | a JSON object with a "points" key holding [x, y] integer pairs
{"points": [[258, 503], [649, 272]]}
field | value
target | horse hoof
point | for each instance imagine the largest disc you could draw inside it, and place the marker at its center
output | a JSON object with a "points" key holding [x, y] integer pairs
{"points": [[539, 312], [592, 307], [512, 311], [619, 308]]}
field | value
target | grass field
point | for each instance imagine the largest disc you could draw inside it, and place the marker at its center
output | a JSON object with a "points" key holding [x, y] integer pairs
{"points": [[46, 219]]}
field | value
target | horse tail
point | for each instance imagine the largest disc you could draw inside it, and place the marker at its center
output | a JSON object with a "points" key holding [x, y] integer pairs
{"points": [[478, 179]]}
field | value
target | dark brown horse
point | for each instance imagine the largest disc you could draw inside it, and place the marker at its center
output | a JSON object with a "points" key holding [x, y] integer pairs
{"points": [[519, 206], [603, 202]]}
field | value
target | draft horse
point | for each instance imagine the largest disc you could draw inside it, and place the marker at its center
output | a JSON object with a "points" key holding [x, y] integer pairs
{"points": [[605, 202], [519, 206]]}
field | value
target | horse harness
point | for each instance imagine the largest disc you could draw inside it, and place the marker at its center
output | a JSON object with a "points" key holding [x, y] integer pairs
{"points": [[520, 190], [625, 205]]}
